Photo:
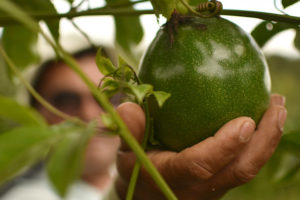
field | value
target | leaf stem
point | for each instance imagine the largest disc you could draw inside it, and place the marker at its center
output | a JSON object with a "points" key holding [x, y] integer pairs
{"points": [[83, 33]]}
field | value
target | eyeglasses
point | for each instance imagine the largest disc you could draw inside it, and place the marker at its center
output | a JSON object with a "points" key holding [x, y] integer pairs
{"points": [[70, 101]]}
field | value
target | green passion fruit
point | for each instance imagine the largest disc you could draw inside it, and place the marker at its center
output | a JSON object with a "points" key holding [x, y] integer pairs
{"points": [[214, 71]]}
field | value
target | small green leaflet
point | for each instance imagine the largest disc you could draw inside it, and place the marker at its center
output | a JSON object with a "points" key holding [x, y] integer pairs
{"points": [[161, 97], [125, 71], [22, 147], [104, 65], [109, 87], [65, 163], [140, 91], [109, 83], [287, 3]]}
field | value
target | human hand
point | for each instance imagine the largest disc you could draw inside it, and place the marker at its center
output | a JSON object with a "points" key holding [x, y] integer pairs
{"points": [[207, 170]]}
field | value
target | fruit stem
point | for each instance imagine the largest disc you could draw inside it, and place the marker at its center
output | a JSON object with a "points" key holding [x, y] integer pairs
{"points": [[213, 7]]}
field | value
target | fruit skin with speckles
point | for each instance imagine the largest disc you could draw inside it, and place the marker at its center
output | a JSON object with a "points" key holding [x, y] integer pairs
{"points": [[214, 71]]}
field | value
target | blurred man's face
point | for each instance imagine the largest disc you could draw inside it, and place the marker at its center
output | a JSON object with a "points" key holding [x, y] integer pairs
{"points": [[66, 91]]}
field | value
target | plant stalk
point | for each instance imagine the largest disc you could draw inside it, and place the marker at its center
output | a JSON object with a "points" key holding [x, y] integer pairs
{"points": [[263, 15], [5, 20]]}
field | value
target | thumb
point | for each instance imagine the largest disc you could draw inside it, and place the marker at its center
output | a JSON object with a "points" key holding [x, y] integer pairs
{"points": [[134, 118]]}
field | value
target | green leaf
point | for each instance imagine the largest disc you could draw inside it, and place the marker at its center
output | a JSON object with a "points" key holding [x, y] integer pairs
{"points": [[286, 3], [65, 163], [22, 147], [297, 39], [128, 74], [161, 97], [19, 44], [125, 72], [105, 65], [13, 115], [266, 30], [41, 6], [109, 87], [129, 33], [164, 7], [48, 7], [140, 91], [110, 83]]}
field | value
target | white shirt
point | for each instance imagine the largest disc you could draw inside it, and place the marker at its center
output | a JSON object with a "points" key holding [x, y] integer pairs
{"points": [[39, 188]]}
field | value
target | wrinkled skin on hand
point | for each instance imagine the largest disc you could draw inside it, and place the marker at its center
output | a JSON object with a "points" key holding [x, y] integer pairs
{"points": [[207, 170]]}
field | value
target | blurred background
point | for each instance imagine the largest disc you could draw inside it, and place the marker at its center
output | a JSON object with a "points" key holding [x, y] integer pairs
{"points": [[280, 178]]}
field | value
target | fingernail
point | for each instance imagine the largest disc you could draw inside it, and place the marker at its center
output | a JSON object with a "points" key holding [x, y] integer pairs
{"points": [[246, 131], [279, 100], [281, 118]]}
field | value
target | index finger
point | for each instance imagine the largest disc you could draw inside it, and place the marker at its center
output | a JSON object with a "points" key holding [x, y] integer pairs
{"points": [[134, 118]]}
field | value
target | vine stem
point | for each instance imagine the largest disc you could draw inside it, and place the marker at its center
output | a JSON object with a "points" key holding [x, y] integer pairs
{"points": [[263, 15], [85, 35], [16, 13], [129, 12], [35, 94], [190, 8]]}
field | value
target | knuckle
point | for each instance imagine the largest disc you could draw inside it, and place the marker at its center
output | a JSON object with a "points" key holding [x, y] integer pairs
{"points": [[200, 170], [243, 176]]}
